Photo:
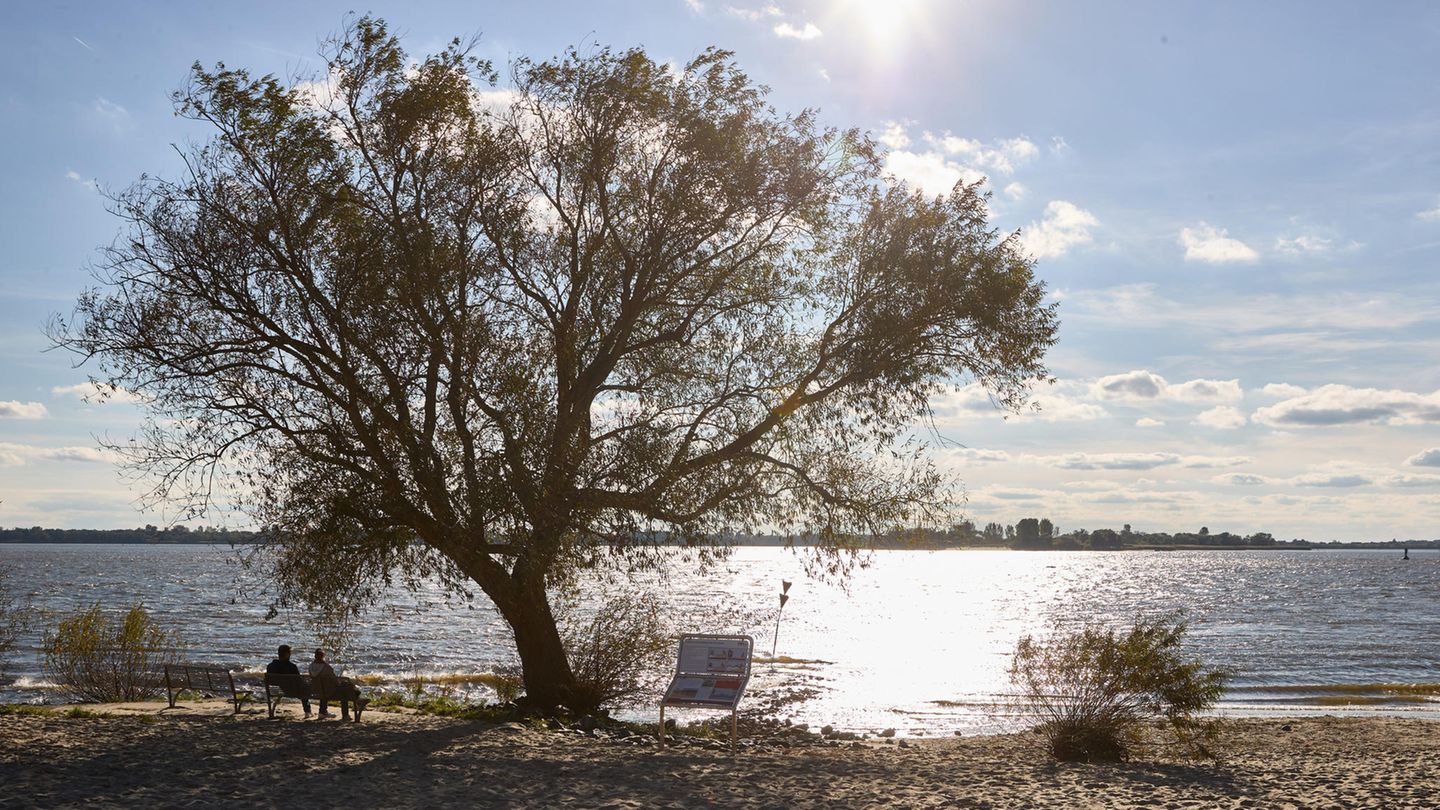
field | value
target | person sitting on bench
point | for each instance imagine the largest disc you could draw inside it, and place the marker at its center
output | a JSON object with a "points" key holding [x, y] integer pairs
{"points": [[293, 686], [328, 684]]}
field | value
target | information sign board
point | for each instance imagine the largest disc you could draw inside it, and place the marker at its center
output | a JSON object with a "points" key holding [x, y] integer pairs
{"points": [[711, 672]]}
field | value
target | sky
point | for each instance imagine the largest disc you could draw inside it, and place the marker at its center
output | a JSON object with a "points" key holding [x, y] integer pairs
{"points": [[1236, 206]]}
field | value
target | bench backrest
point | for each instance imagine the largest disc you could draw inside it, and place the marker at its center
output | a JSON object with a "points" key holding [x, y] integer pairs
{"points": [[290, 685], [199, 677], [322, 688]]}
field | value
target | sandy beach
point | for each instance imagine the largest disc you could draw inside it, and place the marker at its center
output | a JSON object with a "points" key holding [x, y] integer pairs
{"points": [[199, 756]]}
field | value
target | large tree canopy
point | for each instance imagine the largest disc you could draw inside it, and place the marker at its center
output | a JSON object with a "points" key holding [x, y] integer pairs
{"points": [[534, 326]]}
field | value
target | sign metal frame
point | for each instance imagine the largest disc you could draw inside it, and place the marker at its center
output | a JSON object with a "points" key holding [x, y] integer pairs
{"points": [[711, 672]]}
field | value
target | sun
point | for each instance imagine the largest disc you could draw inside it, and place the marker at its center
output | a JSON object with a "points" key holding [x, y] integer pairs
{"points": [[886, 23]]}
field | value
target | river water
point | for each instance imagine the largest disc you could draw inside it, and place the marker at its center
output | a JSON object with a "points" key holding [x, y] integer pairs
{"points": [[917, 641]]}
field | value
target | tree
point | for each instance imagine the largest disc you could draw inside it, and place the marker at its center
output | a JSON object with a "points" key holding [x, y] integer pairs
{"points": [[539, 329], [1046, 529], [1104, 539], [1027, 532]]}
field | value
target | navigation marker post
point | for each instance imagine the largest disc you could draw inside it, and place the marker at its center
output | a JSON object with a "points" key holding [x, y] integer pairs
{"points": [[784, 589]]}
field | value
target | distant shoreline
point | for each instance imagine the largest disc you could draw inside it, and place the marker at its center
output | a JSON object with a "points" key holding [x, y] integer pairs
{"points": [[77, 537]]}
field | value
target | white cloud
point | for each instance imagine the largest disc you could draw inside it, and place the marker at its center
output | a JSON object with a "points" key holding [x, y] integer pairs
{"points": [[1425, 458], [110, 109], [1213, 462], [1307, 245], [695, 6], [1430, 215], [1283, 390], [1404, 481], [94, 392], [12, 409], [1241, 479], [318, 95], [753, 14], [1093, 485], [972, 401], [929, 171], [1332, 405], [1201, 390], [84, 454], [976, 455], [1222, 417], [1114, 461], [111, 113], [1000, 156], [787, 31], [1143, 384], [1058, 146], [1132, 496], [74, 176], [14, 455], [894, 135], [944, 160], [1064, 226], [1057, 408], [1331, 480], [824, 74], [1304, 317], [1147, 422], [1205, 243], [1137, 384], [1138, 461]]}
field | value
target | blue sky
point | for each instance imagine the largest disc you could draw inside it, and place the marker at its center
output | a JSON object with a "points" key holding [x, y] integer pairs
{"points": [[1236, 204]]}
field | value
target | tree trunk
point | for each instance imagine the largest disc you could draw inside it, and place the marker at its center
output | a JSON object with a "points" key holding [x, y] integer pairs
{"points": [[549, 681]]}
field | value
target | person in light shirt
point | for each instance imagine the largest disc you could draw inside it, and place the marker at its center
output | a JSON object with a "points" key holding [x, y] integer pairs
{"points": [[329, 683]]}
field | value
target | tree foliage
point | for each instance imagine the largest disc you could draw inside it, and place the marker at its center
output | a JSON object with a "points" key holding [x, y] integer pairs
{"points": [[541, 327], [99, 657], [1091, 692]]}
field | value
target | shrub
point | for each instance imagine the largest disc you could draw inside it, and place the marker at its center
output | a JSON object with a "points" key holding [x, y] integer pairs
{"points": [[1091, 693], [93, 656], [13, 617], [620, 653]]}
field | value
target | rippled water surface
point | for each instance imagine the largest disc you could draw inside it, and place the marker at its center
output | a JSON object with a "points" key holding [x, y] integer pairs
{"points": [[918, 641]]}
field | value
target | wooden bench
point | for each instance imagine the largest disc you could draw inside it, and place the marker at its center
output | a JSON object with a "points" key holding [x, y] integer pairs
{"points": [[202, 678], [278, 687]]}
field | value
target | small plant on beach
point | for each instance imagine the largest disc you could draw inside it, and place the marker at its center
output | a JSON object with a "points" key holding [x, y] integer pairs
{"points": [[618, 653], [1092, 693], [95, 656], [14, 616]]}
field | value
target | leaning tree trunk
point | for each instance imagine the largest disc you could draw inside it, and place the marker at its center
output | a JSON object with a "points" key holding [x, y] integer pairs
{"points": [[549, 682]]}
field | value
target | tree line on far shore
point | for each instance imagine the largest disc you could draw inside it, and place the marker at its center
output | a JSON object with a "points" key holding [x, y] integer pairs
{"points": [[148, 534], [1028, 533], [1042, 533]]}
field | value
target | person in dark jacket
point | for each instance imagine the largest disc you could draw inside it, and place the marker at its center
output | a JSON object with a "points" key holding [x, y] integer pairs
{"points": [[282, 665]]}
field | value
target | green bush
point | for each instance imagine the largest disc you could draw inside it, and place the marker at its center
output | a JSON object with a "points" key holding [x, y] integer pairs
{"points": [[94, 656], [1094, 693], [620, 653], [14, 616]]}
